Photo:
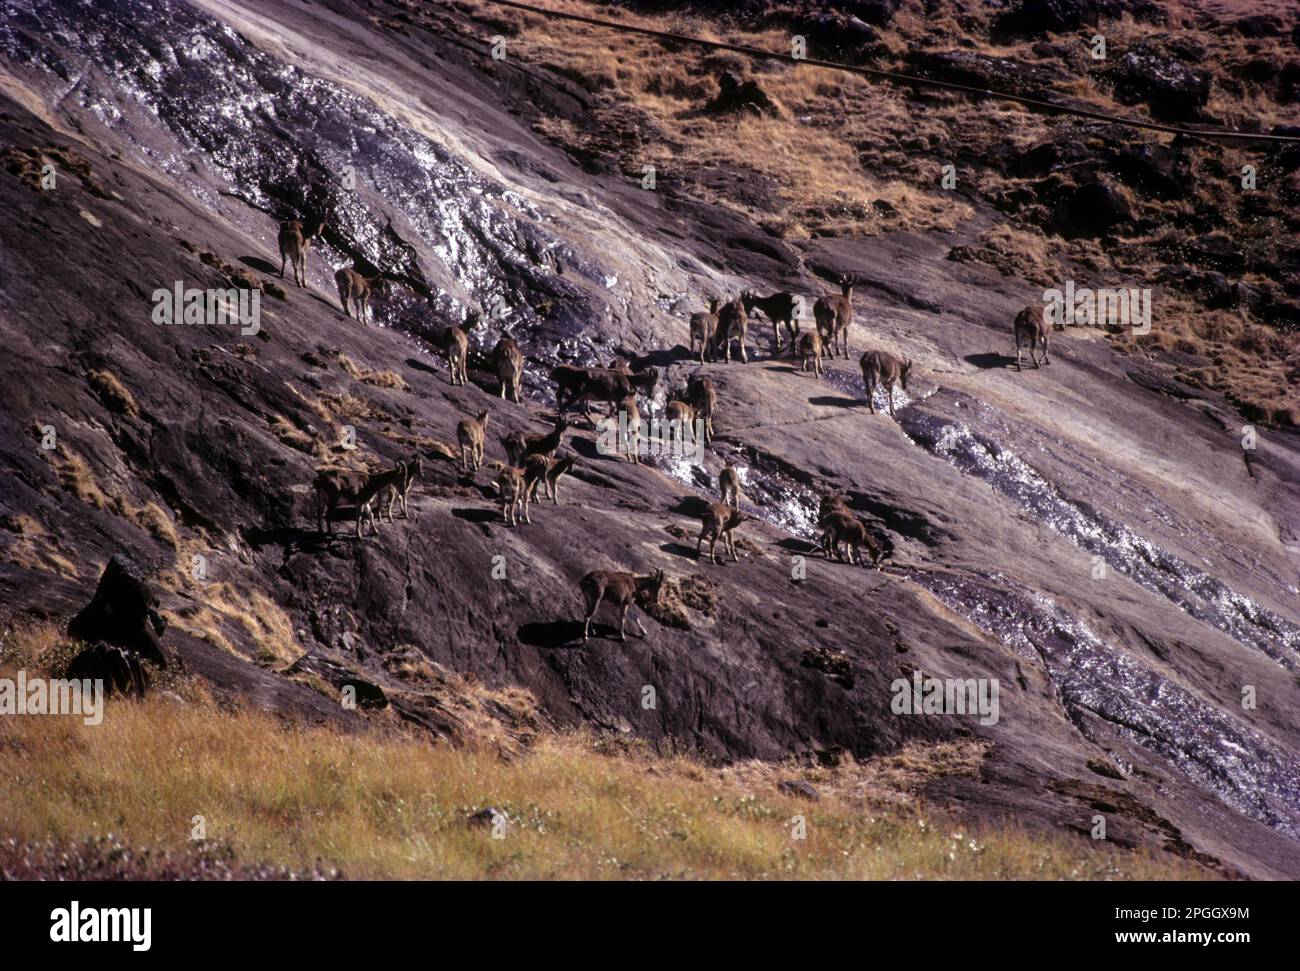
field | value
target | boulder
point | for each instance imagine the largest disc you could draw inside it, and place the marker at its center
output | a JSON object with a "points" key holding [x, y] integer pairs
{"points": [[982, 71], [846, 38], [799, 787], [735, 94], [123, 613], [368, 694], [1091, 209], [487, 818], [120, 670], [1258, 25], [1288, 87], [1217, 291], [1153, 170], [876, 12], [1170, 88], [1287, 154], [1028, 17], [1216, 250]]}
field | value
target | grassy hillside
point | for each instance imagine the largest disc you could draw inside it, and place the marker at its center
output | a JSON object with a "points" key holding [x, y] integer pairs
{"points": [[383, 804]]}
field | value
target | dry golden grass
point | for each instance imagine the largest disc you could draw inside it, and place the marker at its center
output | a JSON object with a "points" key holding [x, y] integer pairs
{"points": [[378, 379], [1255, 366], [291, 435], [76, 477], [223, 616], [113, 393], [33, 547], [385, 805], [803, 165]]}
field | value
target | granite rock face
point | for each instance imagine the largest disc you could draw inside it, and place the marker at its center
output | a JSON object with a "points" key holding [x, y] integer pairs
{"points": [[1091, 535]]}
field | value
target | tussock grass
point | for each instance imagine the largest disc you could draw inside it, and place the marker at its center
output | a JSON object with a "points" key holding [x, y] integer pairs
{"points": [[388, 805], [115, 395], [222, 615], [75, 476], [33, 547], [379, 379]]}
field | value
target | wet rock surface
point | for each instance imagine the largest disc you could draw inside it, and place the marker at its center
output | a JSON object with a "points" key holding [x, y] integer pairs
{"points": [[998, 493]]}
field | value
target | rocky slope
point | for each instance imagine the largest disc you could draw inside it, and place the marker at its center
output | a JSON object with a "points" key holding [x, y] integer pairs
{"points": [[1091, 534]]}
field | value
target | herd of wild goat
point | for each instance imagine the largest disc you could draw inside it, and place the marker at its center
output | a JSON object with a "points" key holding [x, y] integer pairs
{"points": [[533, 460]]}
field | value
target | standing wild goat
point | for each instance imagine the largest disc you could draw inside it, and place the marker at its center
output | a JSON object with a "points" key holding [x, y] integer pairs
{"points": [[632, 442], [833, 315], [335, 487], [470, 433], [810, 347], [514, 495], [1030, 326], [545, 470], [881, 367], [397, 492], [519, 445], [703, 328], [294, 239], [719, 520], [848, 529], [620, 589], [779, 308], [508, 363], [733, 325], [681, 420], [729, 485], [455, 341], [356, 289], [701, 396]]}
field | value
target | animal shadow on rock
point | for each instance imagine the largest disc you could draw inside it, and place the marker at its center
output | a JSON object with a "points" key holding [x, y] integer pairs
{"points": [[555, 633]]}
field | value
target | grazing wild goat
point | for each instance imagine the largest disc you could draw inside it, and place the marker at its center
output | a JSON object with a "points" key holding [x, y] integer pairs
{"points": [[470, 433], [733, 325], [883, 368], [335, 487], [701, 396], [508, 363], [520, 445], [780, 309], [729, 485], [574, 384], [514, 495], [397, 492], [356, 289], [455, 342], [1031, 327], [831, 504], [703, 328], [842, 527], [294, 239], [719, 520], [620, 589], [833, 315], [546, 470], [810, 347]]}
